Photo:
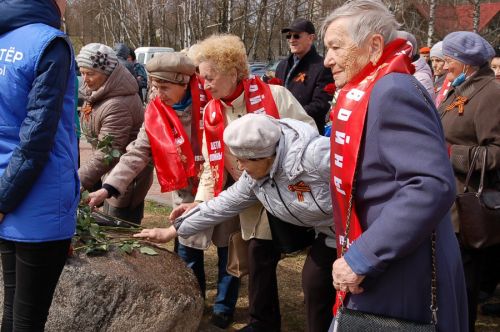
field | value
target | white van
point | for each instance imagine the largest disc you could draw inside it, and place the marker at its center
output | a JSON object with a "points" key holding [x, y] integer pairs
{"points": [[144, 54]]}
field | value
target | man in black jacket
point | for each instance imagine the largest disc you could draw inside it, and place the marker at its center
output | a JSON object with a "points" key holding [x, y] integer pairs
{"points": [[303, 72]]}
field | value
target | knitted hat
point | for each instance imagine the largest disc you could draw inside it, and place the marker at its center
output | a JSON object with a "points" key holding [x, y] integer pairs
{"points": [[253, 136], [173, 67], [98, 57], [437, 50], [468, 47]]}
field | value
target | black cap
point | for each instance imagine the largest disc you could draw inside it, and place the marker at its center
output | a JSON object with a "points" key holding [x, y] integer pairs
{"points": [[300, 25], [497, 51]]}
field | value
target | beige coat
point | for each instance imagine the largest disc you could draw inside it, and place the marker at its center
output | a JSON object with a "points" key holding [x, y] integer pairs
{"points": [[478, 125], [254, 223], [116, 111]]}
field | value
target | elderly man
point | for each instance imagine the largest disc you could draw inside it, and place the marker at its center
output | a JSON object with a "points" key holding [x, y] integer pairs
{"points": [[303, 72]]}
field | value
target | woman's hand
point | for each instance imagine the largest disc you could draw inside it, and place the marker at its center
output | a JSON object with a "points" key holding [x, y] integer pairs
{"points": [[344, 279], [96, 198], [1, 216], [160, 235], [181, 209]]}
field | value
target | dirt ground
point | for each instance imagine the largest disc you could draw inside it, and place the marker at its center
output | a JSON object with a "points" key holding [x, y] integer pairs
{"points": [[290, 290]]}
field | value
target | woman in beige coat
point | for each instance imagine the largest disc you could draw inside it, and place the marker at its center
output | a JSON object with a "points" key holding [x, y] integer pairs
{"points": [[112, 108], [224, 67]]}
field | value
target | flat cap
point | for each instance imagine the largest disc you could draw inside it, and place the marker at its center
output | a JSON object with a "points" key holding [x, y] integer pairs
{"points": [[437, 50], [173, 67], [468, 47], [253, 136], [300, 25], [98, 57]]}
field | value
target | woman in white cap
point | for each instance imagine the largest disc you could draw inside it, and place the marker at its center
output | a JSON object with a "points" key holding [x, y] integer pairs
{"points": [[286, 168], [112, 108], [470, 115], [437, 60]]}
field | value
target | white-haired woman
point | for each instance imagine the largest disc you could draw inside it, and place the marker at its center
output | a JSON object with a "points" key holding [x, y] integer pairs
{"points": [[391, 179]]}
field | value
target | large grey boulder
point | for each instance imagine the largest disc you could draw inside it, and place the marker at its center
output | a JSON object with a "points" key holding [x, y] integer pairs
{"points": [[120, 292]]}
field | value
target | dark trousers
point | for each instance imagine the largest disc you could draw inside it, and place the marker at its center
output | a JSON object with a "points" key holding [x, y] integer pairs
{"points": [[30, 275], [472, 260], [264, 307], [317, 284]]}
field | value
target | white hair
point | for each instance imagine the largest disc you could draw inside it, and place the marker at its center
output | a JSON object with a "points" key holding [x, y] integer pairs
{"points": [[366, 17]]}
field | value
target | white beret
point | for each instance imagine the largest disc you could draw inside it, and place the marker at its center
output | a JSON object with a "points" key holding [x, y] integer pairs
{"points": [[253, 136]]}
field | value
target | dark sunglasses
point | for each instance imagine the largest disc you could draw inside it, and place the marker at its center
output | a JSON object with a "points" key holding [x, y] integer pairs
{"points": [[294, 35]]}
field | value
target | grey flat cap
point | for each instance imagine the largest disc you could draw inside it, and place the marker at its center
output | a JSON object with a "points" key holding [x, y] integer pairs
{"points": [[468, 47], [253, 136], [173, 67]]}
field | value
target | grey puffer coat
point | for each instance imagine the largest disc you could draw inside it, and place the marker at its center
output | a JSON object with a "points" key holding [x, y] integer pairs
{"points": [[302, 162]]}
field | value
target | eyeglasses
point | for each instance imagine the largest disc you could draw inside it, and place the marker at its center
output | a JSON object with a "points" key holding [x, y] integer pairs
{"points": [[294, 35]]}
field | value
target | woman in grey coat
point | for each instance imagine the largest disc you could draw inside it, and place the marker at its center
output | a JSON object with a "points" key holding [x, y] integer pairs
{"points": [[286, 167]]}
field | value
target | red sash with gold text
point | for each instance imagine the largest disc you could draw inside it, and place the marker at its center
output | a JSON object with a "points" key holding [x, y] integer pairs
{"points": [[348, 120], [258, 99], [176, 158]]}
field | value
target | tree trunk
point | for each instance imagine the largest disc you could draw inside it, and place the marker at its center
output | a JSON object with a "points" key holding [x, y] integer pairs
{"points": [[430, 31], [255, 41], [476, 15]]}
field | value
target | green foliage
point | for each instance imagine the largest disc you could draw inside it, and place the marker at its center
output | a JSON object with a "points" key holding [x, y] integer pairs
{"points": [[97, 240], [105, 146]]}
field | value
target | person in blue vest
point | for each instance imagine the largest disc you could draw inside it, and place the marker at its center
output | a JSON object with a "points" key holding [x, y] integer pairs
{"points": [[39, 186]]}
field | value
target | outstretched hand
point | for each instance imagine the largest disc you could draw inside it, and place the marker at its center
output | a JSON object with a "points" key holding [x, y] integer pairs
{"points": [[181, 209], [160, 235], [96, 198]]}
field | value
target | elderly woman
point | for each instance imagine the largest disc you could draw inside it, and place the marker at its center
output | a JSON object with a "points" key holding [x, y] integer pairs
{"points": [[437, 60], [112, 109], [224, 67], [470, 120], [392, 184], [285, 167], [171, 137]]}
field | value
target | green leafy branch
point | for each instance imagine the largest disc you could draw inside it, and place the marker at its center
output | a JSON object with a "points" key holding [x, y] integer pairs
{"points": [[94, 239], [105, 146]]}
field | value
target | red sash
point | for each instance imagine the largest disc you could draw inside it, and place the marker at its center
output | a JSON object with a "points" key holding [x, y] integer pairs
{"points": [[348, 120], [176, 158], [445, 88], [258, 99]]}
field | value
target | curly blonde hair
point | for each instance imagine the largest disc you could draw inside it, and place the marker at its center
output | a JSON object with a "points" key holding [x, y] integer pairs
{"points": [[225, 52]]}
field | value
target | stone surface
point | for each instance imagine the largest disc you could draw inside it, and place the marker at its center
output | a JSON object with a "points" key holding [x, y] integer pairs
{"points": [[120, 292]]}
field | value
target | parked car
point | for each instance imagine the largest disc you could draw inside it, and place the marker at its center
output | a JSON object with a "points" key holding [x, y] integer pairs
{"points": [[258, 68], [270, 70], [144, 54]]}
